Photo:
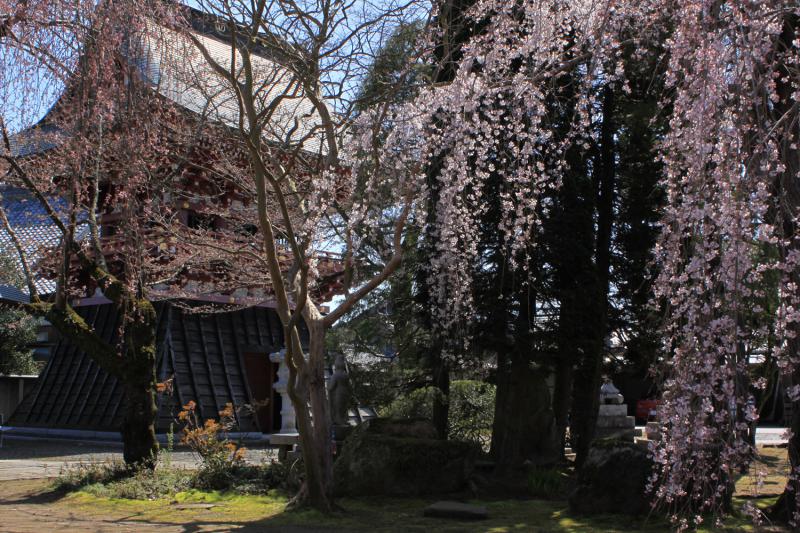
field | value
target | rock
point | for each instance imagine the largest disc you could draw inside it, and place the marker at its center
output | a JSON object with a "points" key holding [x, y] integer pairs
{"points": [[189, 506], [456, 510], [398, 458], [613, 480]]}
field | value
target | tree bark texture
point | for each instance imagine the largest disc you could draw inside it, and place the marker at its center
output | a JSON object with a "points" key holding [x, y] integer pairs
{"points": [[586, 389], [524, 427], [310, 402]]}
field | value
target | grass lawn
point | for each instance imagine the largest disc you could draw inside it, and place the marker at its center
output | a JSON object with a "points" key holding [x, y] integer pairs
{"points": [[379, 514], [264, 512]]}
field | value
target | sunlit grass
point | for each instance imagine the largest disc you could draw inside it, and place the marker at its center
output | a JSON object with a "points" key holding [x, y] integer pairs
{"points": [[227, 509], [380, 514]]}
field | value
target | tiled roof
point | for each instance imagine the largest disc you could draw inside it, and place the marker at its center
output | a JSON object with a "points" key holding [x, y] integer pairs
{"points": [[73, 392], [176, 70], [33, 227], [12, 294], [179, 72], [35, 140]]}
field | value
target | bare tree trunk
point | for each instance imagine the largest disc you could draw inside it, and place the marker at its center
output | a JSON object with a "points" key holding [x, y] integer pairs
{"points": [[786, 509], [313, 420], [140, 446]]}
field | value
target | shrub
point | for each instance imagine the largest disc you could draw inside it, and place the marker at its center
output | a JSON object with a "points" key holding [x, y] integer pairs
{"points": [[17, 332], [222, 467], [77, 476], [220, 457], [416, 404], [115, 480], [547, 483], [471, 409]]}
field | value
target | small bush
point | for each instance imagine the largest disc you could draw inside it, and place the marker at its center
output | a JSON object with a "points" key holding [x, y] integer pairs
{"points": [[471, 409], [77, 476], [116, 480], [258, 479], [145, 485], [222, 467], [221, 458], [546, 483]]}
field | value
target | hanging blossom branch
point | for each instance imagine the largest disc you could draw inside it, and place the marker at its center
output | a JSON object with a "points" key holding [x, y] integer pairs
{"points": [[723, 163], [492, 120]]}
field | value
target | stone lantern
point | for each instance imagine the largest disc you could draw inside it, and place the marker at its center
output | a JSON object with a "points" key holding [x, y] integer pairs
{"points": [[612, 419]]}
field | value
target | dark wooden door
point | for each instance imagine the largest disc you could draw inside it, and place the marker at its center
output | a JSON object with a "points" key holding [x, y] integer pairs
{"points": [[260, 376]]}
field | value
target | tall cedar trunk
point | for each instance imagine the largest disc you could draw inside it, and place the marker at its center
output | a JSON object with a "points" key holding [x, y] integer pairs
{"points": [[140, 446], [571, 332], [313, 421], [574, 275], [524, 426], [586, 389], [787, 189]]}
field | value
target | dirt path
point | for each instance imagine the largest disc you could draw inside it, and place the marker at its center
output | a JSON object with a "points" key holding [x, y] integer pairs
{"points": [[30, 506]]}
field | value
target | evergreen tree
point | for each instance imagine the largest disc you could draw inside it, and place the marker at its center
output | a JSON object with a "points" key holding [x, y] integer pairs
{"points": [[17, 328]]}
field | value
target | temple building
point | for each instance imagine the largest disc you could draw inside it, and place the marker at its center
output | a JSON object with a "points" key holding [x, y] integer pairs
{"points": [[214, 337]]}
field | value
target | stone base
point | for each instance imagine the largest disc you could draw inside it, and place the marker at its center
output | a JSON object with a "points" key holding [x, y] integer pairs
{"points": [[621, 422], [288, 444], [284, 439], [613, 479], [613, 422], [613, 410]]}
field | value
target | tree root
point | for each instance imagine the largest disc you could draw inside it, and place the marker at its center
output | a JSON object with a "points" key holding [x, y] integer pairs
{"points": [[302, 500]]}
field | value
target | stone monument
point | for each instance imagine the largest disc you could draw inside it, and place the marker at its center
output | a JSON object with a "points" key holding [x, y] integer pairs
{"points": [[339, 398], [612, 419], [287, 438]]}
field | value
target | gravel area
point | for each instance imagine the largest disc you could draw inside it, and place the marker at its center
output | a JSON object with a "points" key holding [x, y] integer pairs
{"points": [[34, 459]]}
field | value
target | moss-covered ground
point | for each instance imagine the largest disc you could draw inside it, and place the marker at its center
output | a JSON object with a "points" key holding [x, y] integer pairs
{"points": [[35, 506], [397, 514], [267, 512]]}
